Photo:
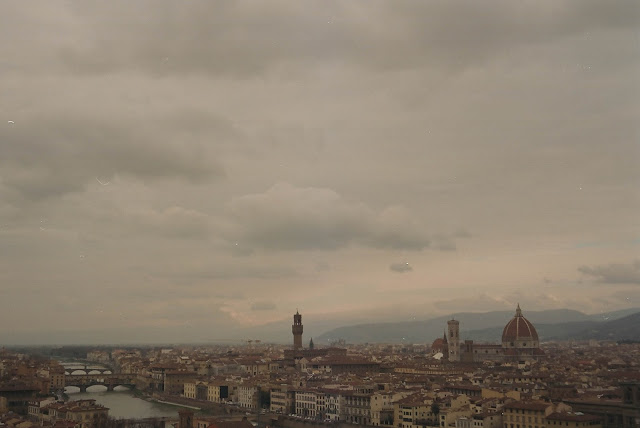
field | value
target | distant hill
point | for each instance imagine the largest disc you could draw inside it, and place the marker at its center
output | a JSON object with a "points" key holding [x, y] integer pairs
{"points": [[485, 327], [625, 328], [611, 316], [611, 326], [560, 324]]}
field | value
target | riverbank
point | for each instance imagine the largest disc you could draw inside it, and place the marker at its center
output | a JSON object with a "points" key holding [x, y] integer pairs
{"points": [[128, 404], [177, 404], [206, 407]]}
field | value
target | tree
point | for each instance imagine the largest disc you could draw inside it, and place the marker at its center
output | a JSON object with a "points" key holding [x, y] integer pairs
{"points": [[435, 409]]}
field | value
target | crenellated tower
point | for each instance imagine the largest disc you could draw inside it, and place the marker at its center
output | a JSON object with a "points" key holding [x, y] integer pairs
{"points": [[296, 329]]}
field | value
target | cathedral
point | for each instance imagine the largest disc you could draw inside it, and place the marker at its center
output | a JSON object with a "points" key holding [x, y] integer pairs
{"points": [[519, 342]]}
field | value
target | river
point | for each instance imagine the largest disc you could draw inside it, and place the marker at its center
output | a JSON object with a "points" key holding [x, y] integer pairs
{"points": [[123, 404]]}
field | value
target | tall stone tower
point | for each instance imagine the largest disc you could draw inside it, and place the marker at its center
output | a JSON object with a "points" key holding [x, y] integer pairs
{"points": [[296, 329], [453, 340]]}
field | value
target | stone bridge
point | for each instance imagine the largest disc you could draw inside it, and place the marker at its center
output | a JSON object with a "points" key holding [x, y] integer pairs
{"points": [[87, 369], [108, 380]]}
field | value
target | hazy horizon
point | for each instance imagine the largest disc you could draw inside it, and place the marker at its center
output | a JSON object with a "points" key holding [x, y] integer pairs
{"points": [[213, 166], [276, 332]]}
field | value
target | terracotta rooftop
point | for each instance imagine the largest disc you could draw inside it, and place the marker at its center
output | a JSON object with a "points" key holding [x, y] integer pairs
{"points": [[527, 405], [572, 417]]}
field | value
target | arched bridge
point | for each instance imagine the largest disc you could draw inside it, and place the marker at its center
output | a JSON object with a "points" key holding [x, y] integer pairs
{"points": [[108, 380], [87, 369]]}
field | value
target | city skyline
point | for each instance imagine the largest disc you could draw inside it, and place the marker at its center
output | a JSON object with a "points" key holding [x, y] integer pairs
{"points": [[206, 167]]}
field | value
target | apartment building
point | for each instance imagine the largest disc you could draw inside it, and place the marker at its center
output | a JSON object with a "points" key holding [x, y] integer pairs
{"points": [[282, 399], [332, 404], [414, 410], [249, 395], [309, 404], [196, 390], [382, 411], [356, 407], [217, 392]]}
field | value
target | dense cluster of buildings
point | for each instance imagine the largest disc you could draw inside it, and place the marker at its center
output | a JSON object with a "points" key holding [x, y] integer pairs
{"points": [[48, 412], [517, 383]]}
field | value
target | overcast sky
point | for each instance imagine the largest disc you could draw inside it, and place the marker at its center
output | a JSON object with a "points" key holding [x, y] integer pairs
{"points": [[192, 167]]}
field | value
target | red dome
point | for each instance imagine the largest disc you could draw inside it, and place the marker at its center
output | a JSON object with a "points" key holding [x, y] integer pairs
{"points": [[519, 328], [438, 344]]}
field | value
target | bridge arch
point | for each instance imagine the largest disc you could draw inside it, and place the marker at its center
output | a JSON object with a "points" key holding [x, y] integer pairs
{"points": [[98, 387], [110, 381], [123, 388]]}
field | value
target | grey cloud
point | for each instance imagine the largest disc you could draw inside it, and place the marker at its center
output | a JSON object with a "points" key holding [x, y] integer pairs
{"points": [[234, 295], [444, 243], [194, 275], [286, 217], [491, 116], [172, 222], [173, 289], [263, 306], [395, 227], [614, 273], [186, 312], [462, 233], [480, 302], [248, 38], [223, 38], [323, 266], [400, 267], [160, 293], [242, 252], [48, 157], [238, 249]]}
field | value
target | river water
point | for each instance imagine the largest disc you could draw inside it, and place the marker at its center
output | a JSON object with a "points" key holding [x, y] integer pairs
{"points": [[123, 404]]}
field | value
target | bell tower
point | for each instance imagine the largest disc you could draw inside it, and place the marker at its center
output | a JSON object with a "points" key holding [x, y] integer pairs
{"points": [[296, 329], [453, 339]]}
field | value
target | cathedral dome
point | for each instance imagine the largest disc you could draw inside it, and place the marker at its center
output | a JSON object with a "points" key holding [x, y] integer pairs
{"points": [[519, 329]]}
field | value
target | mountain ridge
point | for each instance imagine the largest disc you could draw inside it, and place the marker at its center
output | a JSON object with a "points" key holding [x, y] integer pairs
{"points": [[487, 326]]}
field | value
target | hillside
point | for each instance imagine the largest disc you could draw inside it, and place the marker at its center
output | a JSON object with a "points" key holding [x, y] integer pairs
{"points": [[487, 327], [625, 328]]}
